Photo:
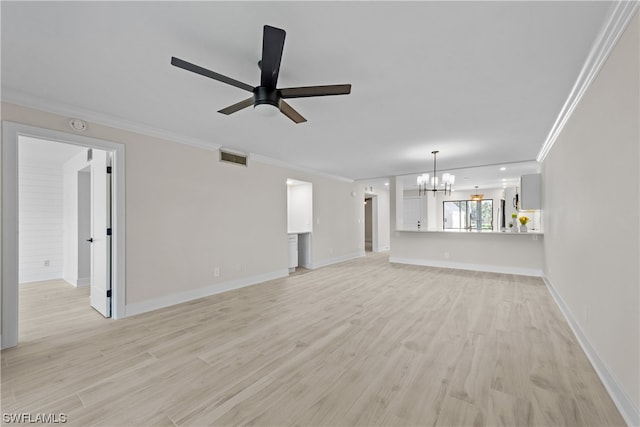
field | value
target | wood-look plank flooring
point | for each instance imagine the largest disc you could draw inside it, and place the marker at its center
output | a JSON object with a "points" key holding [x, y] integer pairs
{"points": [[360, 343]]}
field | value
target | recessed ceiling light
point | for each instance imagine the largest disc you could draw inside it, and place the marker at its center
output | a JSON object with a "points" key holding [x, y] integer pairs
{"points": [[503, 168], [386, 183], [504, 179]]}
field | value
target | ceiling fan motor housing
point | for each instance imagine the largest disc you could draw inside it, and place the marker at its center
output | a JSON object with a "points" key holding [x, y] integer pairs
{"points": [[266, 95]]}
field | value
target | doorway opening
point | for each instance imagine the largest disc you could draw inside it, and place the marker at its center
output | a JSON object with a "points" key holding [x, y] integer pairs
{"points": [[368, 228], [299, 223], [64, 193], [371, 223]]}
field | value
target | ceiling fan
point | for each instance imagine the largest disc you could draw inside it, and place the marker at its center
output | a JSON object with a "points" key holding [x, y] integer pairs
{"points": [[267, 96]]}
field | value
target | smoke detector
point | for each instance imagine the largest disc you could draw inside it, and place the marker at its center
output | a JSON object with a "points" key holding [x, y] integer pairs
{"points": [[78, 125]]}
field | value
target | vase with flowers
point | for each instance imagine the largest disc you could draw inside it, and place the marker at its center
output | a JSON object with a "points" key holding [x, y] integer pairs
{"points": [[514, 223], [523, 224]]}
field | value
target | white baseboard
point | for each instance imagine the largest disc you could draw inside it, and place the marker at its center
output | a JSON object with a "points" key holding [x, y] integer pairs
{"points": [[180, 297], [625, 405], [466, 266], [383, 249], [335, 260], [84, 281]]}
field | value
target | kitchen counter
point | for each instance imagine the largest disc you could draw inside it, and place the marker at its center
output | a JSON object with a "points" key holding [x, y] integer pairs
{"points": [[483, 232]]}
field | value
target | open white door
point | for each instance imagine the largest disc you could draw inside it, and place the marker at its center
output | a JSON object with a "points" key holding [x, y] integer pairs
{"points": [[100, 238]]}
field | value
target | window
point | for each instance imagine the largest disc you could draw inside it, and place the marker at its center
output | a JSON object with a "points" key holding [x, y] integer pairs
{"points": [[468, 215]]}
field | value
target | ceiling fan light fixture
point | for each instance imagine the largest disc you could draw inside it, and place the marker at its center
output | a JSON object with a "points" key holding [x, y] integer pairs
{"points": [[266, 101], [267, 110]]}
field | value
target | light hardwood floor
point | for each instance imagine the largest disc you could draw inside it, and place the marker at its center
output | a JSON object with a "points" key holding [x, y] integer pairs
{"points": [[362, 343]]}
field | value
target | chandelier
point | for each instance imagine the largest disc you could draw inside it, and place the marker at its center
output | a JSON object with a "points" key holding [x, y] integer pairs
{"points": [[477, 197], [424, 182]]}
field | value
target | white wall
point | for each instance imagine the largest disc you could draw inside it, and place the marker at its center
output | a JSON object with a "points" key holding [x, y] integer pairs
{"points": [[384, 221], [503, 252], [300, 208], [187, 213], [40, 219], [84, 228], [76, 249], [591, 214], [512, 253], [338, 216]]}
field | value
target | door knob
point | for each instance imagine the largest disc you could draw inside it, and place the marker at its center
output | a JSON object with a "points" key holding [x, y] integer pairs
{"points": [[90, 240]]}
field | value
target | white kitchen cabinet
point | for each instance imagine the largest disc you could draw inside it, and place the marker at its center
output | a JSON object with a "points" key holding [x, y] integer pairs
{"points": [[293, 252], [530, 191]]}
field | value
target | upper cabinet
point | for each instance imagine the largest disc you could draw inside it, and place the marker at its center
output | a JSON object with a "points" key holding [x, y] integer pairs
{"points": [[530, 189]]}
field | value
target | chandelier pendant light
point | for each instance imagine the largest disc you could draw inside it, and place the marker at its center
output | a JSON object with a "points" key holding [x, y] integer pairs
{"points": [[424, 182], [477, 197]]}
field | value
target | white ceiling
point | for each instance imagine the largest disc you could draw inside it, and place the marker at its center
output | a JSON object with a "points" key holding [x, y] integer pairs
{"points": [[482, 82], [485, 177], [53, 154]]}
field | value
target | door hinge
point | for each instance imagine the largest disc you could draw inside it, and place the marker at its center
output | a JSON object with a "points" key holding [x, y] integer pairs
{"points": [[108, 169], [108, 232], [109, 293]]}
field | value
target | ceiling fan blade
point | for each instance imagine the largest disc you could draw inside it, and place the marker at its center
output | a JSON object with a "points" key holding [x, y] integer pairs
{"points": [[272, 46], [288, 111], [208, 73], [301, 92], [237, 106]]}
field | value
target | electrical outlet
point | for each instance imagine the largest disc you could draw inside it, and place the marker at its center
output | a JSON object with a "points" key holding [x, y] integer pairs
{"points": [[446, 255], [216, 272], [239, 266], [47, 263], [330, 251]]}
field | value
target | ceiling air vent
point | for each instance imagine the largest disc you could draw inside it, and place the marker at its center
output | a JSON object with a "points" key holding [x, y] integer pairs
{"points": [[238, 159]]}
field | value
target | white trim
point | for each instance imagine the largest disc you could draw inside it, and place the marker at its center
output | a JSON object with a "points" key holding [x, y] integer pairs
{"points": [[10, 134], [83, 281], [181, 297], [9, 238], [625, 405], [30, 101], [604, 44], [279, 163], [386, 248], [77, 283], [335, 260], [520, 271]]}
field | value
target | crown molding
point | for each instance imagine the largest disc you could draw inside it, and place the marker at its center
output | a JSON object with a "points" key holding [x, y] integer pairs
{"points": [[279, 163], [29, 101], [605, 42]]}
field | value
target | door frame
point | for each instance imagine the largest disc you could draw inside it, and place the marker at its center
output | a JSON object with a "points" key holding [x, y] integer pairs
{"points": [[10, 134], [374, 221]]}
